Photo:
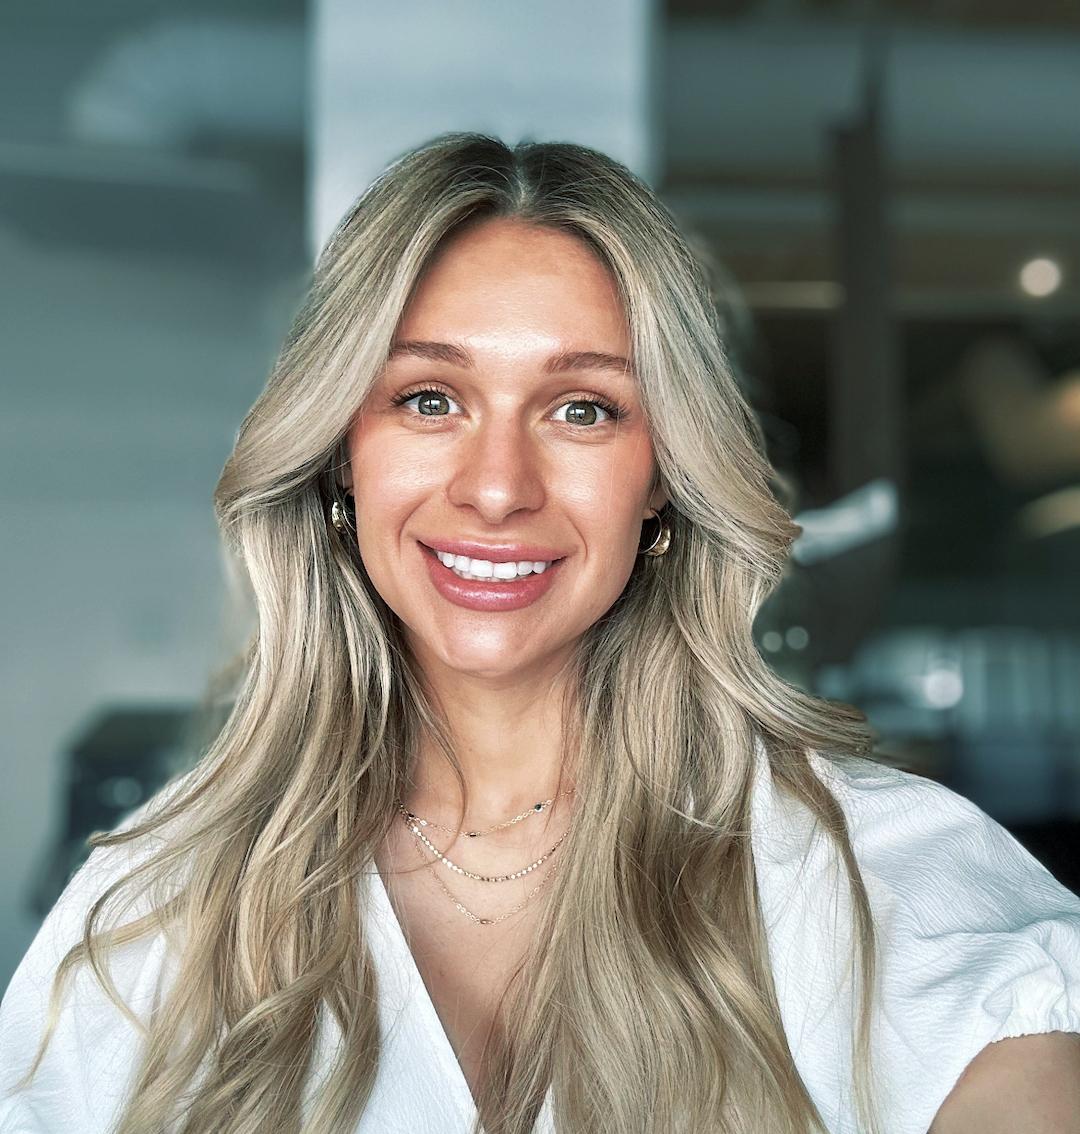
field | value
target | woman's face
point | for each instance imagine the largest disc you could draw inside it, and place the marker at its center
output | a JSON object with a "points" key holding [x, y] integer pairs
{"points": [[497, 442]]}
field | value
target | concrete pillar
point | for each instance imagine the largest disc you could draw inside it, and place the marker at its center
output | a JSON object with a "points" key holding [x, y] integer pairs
{"points": [[866, 424], [387, 77]]}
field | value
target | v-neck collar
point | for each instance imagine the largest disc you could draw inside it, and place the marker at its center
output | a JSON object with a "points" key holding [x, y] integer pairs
{"points": [[424, 1066], [401, 975]]}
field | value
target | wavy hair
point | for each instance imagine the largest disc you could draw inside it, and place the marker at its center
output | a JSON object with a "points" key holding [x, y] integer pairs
{"points": [[646, 999]]}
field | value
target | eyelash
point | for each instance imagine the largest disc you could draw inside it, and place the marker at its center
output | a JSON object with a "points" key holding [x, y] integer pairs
{"points": [[614, 411]]}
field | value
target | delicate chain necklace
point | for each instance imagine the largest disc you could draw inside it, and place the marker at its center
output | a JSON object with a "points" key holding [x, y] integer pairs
{"points": [[536, 807], [489, 920], [468, 873], [414, 822]]}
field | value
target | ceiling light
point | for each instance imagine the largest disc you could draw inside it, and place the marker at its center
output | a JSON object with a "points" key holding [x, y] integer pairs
{"points": [[1040, 277]]}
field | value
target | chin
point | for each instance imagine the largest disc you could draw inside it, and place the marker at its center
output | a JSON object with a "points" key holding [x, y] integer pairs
{"points": [[487, 663]]}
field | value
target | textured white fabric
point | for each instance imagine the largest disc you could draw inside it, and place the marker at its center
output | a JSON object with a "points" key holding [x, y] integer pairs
{"points": [[979, 942]]}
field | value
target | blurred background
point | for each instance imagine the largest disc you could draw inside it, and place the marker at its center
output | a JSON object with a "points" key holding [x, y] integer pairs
{"points": [[888, 195]]}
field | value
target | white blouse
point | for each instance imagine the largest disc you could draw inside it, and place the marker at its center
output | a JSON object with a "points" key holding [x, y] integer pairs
{"points": [[978, 941]]}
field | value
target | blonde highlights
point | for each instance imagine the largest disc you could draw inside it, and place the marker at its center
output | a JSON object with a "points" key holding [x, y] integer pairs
{"points": [[646, 999]]}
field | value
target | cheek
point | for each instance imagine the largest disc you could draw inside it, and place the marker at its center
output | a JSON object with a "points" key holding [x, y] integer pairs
{"points": [[386, 491], [386, 477], [609, 495]]}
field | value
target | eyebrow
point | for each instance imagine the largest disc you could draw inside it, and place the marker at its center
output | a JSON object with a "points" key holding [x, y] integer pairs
{"points": [[558, 363]]}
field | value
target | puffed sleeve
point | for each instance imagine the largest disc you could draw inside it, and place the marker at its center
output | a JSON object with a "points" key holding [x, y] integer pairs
{"points": [[93, 1054], [977, 940]]}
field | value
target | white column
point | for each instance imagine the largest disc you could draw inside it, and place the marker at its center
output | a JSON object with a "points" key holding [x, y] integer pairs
{"points": [[386, 77]]}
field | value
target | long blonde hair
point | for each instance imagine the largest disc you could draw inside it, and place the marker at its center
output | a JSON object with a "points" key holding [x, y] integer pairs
{"points": [[650, 1006]]}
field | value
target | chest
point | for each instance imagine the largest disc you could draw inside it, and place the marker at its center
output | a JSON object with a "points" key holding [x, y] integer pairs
{"points": [[465, 977], [465, 968]]}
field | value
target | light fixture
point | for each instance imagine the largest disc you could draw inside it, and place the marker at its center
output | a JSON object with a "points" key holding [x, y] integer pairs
{"points": [[1040, 277]]}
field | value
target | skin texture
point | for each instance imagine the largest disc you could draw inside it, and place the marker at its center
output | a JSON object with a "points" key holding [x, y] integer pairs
{"points": [[1022, 1085], [503, 458]]}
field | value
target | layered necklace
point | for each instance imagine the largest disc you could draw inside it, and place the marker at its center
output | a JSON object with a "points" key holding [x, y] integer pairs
{"points": [[416, 826]]}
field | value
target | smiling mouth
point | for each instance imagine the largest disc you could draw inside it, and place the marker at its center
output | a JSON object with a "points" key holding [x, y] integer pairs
{"points": [[495, 580]]}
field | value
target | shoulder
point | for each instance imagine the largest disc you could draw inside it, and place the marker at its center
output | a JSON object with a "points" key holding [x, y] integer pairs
{"points": [[937, 864], [81, 1080], [977, 941], [1022, 1085]]}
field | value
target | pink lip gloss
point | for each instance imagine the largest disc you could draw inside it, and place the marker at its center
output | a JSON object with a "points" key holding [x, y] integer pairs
{"points": [[481, 594]]}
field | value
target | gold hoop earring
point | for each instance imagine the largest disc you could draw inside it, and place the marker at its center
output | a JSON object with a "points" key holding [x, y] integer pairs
{"points": [[343, 517], [662, 542]]}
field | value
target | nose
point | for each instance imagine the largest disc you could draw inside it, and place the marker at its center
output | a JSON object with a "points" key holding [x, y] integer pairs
{"points": [[497, 470]]}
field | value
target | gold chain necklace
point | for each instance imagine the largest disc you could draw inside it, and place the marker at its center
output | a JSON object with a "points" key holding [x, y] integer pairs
{"points": [[468, 873], [414, 822], [488, 920], [535, 809]]}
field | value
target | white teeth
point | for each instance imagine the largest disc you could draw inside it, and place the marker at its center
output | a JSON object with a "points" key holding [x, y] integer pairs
{"points": [[467, 568]]}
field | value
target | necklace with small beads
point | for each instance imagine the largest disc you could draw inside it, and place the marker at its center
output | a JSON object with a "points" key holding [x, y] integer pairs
{"points": [[534, 810], [415, 822]]}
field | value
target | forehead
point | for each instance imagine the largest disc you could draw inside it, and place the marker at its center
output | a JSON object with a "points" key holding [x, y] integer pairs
{"points": [[503, 280]]}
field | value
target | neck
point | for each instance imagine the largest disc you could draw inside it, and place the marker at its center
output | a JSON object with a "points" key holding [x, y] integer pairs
{"points": [[522, 768], [509, 743]]}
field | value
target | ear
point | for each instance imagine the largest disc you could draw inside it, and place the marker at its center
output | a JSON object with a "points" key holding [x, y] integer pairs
{"points": [[343, 474], [657, 500]]}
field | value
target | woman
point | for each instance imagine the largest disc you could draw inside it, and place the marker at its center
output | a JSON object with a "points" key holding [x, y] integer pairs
{"points": [[509, 821]]}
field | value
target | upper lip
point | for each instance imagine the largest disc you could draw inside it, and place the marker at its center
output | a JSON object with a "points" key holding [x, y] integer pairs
{"points": [[495, 552]]}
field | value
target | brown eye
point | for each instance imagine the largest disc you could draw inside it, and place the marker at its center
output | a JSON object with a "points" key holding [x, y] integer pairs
{"points": [[428, 403], [584, 411], [433, 402], [581, 413]]}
